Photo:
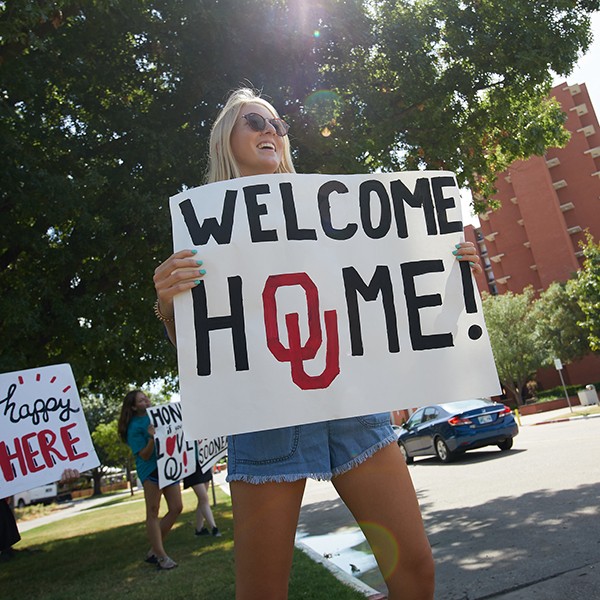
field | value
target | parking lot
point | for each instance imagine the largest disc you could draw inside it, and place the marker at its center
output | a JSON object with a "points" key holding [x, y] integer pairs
{"points": [[503, 521]]}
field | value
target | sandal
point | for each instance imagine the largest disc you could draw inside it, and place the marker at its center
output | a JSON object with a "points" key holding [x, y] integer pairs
{"points": [[164, 562]]}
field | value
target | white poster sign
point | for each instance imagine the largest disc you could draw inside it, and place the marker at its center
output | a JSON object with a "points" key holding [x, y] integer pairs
{"points": [[42, 428], [325, 296], [174, 454], [211, 451]]}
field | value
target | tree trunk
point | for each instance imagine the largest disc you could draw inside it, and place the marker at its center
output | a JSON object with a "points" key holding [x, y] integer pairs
{"points": [[97, 479]]}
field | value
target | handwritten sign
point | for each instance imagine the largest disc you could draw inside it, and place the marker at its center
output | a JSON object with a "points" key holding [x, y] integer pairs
{"points": [[210, 451], [42, 428], [326, 296], [174, 454]]}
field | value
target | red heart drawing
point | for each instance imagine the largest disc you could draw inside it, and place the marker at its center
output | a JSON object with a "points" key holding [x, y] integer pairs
{"points": [[170, 444]]}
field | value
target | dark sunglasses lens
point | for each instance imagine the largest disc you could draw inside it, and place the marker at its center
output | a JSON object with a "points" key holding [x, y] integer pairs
{"points": [[259, 123], [281, 127], [256, 121]]}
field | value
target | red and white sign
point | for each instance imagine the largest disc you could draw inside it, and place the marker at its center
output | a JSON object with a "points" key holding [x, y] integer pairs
{"points": [[325, 296], [42, 428]]}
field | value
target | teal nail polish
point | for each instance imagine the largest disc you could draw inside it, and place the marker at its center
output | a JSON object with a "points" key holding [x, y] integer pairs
{"points": [[455, 252], [199, 262], [472, 263], [197, 282], [194, 251], [458, 256], [457, 245], [202, 272]]}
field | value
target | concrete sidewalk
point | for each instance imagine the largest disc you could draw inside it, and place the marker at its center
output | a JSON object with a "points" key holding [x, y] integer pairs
{"points": [[554, 416]]}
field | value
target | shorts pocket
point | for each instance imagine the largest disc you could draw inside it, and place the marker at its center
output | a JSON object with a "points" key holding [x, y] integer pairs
{"points": [[265, 447], [373, 421]]}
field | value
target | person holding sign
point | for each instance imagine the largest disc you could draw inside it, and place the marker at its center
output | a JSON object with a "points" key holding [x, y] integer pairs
{"points": [[137, 432], [267, 470]]}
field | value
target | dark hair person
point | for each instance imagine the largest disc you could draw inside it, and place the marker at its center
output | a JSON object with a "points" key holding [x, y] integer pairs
{"points": [[359, 454], [137, 432]]}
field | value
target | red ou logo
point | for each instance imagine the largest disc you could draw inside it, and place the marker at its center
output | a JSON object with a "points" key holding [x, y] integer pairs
{"points": [[296, 354]]}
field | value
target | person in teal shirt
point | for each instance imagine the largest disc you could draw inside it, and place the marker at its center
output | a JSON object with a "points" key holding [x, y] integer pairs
{"points": [[137, 432]]}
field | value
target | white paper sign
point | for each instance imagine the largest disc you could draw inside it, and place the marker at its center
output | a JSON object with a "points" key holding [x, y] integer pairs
{"points": [[42, 428], [325, 296], [211, 451], [175, 456]]}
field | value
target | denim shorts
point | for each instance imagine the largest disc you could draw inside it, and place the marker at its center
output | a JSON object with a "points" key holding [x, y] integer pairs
{"points": [[316, 450]]}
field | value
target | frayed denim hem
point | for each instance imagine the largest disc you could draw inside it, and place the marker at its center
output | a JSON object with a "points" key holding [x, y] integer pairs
{"points": [[366, 454], [258, 479]]}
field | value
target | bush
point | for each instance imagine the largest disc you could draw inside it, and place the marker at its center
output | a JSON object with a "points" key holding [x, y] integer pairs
{"points": [[559, 392]]}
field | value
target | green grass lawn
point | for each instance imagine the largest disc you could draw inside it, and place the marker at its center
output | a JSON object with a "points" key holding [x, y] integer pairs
{"points": [[98, 554]]}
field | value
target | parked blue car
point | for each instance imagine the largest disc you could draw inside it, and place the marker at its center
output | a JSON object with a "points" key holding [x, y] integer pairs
{"points": [[447, 430]]}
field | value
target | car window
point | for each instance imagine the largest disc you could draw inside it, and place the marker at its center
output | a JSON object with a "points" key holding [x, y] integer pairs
{"points": [[416, 419], [430, 414]]}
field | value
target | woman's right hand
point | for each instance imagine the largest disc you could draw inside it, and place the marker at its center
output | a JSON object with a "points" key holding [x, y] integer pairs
{"points": [[180, 272]]}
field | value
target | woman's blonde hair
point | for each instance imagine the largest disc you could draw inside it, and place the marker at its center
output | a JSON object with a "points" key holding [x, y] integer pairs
{"points": [[221, 162]]}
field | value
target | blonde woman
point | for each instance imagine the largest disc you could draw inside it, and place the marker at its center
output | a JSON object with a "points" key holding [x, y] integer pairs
{"points": [[359, 455]]}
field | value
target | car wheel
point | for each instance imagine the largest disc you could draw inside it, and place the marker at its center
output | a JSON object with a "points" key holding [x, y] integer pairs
{"points": [[442, 451], [409, 459], [507, 444], [21, 503]]}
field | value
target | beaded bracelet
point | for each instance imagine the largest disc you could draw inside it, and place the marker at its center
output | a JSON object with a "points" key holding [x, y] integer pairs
{"points": [[160, 316]]}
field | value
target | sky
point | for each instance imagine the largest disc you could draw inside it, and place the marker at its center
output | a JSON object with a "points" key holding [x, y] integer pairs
{"points": [[587, 71]]}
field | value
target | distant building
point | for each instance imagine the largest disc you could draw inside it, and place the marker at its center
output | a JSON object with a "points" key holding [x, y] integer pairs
{"points": [[547, 205]]}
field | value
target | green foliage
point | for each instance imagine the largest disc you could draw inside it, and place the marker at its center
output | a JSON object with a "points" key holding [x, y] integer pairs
{"points": [[463, 85], [559, 391], [557, 317], [111, 450], [585, 288], [518, 350], [106, 108]]}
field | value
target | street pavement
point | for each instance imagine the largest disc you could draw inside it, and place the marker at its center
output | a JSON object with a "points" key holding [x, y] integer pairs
{"points": [[519, 539]]}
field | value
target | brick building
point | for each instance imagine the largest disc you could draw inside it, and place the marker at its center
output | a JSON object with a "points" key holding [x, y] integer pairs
{"points": [[547, 205]]}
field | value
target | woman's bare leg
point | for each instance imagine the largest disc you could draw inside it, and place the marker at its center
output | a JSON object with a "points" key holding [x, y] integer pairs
{"points": [[265, 518], [203, 510], [152, 495], [380, 494], [172, 494]]}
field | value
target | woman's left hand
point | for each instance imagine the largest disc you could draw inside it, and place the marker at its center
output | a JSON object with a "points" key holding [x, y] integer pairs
{"points": [[466, 251]]}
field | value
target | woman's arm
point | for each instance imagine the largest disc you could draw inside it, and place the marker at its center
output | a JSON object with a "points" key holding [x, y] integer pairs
{"points": [[180, 272], [148, 449]]}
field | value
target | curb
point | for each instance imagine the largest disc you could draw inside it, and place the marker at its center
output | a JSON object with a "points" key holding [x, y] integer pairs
{"points": [[352, 582], [565, 419]]}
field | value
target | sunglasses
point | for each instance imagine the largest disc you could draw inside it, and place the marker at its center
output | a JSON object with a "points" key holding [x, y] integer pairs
{"points": [[259, 123]]}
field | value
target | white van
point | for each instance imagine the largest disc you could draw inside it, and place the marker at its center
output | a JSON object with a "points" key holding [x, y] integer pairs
{"points": [[45, 494]]}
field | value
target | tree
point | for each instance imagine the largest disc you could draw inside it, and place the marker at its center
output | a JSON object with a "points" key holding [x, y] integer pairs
{"points": [[463, 84], [106, 107], [585, 289], [557, 316], [111, 450], [102, 119], [518, 350]]}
